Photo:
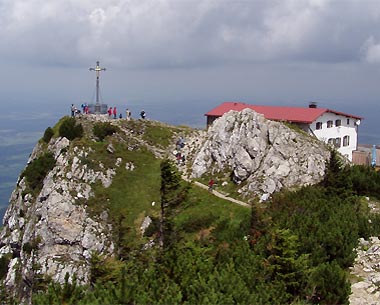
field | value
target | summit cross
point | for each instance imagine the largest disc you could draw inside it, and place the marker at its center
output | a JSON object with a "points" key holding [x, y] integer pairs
{"points": [[97, 70]]}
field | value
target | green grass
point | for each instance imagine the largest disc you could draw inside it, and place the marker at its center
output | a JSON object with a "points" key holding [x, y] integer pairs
{"points": [[205, 211], [155, 133], [131, 192], [158, 135]]}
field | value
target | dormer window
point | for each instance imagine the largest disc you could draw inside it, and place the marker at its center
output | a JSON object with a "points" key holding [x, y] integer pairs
{"points": [[338, 123], [329, 124], [318, 125]]}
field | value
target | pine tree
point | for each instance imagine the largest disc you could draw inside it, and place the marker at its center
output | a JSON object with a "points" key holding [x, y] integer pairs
{"points": [[172, 194]]}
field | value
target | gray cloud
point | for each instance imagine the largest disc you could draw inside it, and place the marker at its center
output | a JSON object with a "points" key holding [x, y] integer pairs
{"points": [[186, 33]]}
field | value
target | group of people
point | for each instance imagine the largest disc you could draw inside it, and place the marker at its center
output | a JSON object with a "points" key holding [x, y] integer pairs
{"points": [[74, 110], [112, 112], [180, 157]]}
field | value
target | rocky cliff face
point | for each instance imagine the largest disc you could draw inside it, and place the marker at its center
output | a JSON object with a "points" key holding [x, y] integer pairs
{"points": [[263, 156], [52, 230], [50, 233]]}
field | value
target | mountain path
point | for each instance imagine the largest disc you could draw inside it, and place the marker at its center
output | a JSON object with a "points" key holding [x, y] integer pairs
{"points": [[217, 194]]}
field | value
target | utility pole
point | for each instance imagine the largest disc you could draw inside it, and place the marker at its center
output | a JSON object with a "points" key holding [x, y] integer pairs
{"points": [[97, 70]]}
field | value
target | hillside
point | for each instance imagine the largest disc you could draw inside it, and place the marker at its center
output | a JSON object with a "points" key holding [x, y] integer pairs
{"points": [[100, 206]]}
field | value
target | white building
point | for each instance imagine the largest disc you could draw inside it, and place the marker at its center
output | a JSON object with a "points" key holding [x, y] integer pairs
{"points": [[333, 127]]}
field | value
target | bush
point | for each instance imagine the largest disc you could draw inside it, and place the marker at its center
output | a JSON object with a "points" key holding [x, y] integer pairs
{"points": [[48, 134], [4, 261], [37, 170], [70, 130], [329, 284], [101, 130]]}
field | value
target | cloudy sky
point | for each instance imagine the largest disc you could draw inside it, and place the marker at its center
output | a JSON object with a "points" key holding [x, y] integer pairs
{"points": [[192, 52]]}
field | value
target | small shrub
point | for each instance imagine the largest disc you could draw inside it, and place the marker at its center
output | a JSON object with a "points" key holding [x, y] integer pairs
{"points": [[4, 262], [70, 129], [101, 130], [48, 134], [27, 247], [37, 170]]}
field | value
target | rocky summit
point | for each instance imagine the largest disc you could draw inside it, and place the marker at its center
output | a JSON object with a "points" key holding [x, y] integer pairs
{"points": [[52, 226], [262, 156]]}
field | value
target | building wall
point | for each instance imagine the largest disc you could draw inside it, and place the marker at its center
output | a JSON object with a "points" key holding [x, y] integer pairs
{"points": [[333, 133], [361, 158]]}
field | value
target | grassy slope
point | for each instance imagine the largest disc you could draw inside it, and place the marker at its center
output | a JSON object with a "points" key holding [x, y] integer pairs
{"points": [[131, 193]]}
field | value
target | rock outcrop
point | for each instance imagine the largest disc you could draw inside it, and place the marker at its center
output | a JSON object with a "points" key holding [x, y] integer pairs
{"points": [[52, 230], [49, 233], [366, 273], [263, 156]]}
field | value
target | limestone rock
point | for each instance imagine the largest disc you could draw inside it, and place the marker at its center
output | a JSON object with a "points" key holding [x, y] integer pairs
{"points": [[266, 155], [53, 229], [366, 272]]}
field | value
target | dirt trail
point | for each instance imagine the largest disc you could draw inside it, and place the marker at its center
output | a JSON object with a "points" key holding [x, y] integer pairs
{"points": [[216, 193]]}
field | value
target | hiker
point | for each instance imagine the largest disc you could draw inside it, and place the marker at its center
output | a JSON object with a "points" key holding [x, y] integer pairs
{"points": [[143, 114], [211, 185], [76, 111], [72, 110], [178, 145], [120, 116], [114, 112], [179, 158], [128, 114], [86, 111], [181, 142], [109, 111]]}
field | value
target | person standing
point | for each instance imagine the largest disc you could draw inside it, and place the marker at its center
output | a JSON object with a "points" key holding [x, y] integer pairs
{"points": [[114, 112], [109, 111], [211, 185], [143, 114], [72, 110], [128, 114]]}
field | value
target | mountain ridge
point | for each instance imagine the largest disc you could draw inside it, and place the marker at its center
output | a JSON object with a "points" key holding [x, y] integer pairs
{"points": [[53, 229]]}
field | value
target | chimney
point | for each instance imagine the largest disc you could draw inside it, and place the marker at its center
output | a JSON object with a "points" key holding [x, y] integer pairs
{"points": [[312, 105]]}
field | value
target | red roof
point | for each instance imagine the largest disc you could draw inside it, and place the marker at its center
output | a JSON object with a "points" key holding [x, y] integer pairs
{"points": [[277, 113]]}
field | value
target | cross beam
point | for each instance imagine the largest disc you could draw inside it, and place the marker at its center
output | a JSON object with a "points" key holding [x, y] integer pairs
{"points": [[97, 70]]}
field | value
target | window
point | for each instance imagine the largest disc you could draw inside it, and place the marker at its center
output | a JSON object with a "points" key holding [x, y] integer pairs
{"points": [[329, 124], [346, 140], [337, 142], [331, 141], [348, 121], [318, 125], [338, 123]]}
